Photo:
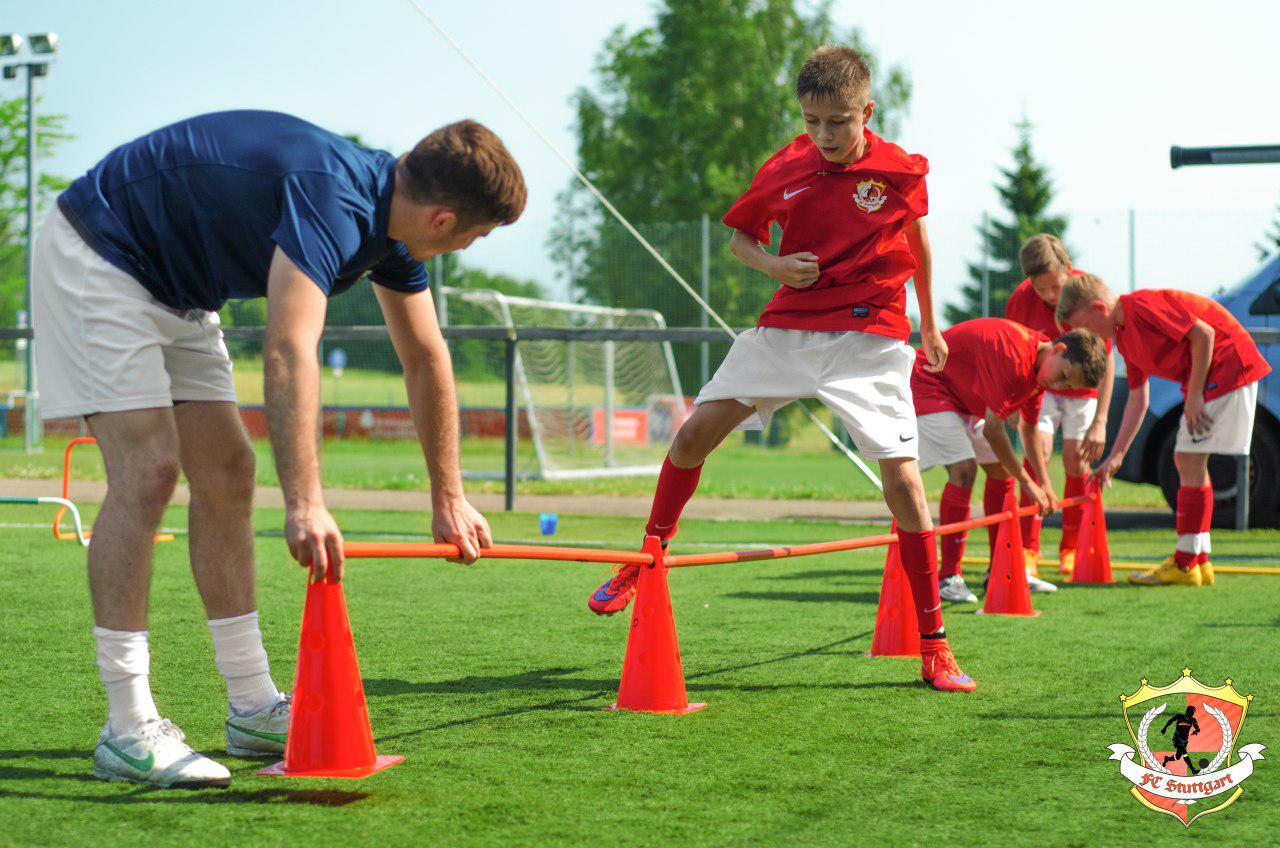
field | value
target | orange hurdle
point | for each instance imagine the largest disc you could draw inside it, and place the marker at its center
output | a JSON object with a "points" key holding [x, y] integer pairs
{"points": [[62, 535]]}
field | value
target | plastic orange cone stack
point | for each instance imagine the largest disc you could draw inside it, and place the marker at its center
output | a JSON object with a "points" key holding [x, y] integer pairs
{"points": [[652, 675], [1007, 589], [1093, 553], [896, 634], [329, 731]]}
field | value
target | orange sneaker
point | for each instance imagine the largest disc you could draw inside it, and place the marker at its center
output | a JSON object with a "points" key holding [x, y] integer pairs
{"points": [[1067, 561], [616, 592], [939, 670]]}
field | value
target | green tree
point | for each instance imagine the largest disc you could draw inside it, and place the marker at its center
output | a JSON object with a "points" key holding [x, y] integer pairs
{"points": [[1026, 194], [682, 114], [50, 132], [1270, 243]]}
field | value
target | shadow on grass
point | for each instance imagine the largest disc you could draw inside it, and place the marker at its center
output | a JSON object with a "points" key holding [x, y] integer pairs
{"points": [[810, 597], [830, 574], [129, 793]]}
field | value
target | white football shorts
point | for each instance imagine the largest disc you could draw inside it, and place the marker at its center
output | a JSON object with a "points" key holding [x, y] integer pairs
{"points": [[949, 437], [863, 378], [1072, 414], [1232, 428], [104, 344]]}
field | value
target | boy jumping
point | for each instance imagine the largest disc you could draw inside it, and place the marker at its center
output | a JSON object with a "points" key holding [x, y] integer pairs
{"points": [[850, 205], [1196, 342], [995, 367], [1080, 413]]}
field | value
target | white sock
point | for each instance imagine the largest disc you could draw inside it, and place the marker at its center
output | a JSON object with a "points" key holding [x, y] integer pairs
{"points": [[240, 657], [124, 663]]}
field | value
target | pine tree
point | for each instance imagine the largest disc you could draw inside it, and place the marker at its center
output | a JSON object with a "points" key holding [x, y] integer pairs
{"points": [[1027, 192], [1270, 243]]}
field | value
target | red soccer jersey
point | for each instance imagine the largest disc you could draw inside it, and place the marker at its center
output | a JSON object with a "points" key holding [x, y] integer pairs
{"points": [[1028, 308], [991, 364], [1153, 341], [853, 218]]}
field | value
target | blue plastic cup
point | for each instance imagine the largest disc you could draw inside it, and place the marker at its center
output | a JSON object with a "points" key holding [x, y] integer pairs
{"points": [[548, 522]]}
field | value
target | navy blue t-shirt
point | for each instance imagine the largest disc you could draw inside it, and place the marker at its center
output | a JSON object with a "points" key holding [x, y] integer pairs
{"points": [[195, 210]]}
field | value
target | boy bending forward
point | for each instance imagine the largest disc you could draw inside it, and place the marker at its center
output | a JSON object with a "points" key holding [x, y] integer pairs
{"points": [[850, 205]]}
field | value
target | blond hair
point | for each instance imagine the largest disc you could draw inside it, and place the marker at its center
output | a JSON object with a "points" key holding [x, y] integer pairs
{"points": [[835, 73], [1086, 349], [1043, 252], [1080, 290]]}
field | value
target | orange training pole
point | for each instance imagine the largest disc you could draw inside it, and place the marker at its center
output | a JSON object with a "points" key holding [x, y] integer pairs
{"points": [[401, 550]]}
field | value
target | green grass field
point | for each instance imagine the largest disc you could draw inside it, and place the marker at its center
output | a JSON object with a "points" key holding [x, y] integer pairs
{"points": [[491, 681], [805, 470]]}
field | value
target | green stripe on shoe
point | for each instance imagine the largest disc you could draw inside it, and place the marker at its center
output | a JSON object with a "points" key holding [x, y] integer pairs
{"points": [[270, 737]]}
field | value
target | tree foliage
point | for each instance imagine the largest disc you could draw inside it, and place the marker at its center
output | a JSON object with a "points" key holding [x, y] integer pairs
{"points": [[682, 114], [1026, 194], [50, 132], [1270, 244]]}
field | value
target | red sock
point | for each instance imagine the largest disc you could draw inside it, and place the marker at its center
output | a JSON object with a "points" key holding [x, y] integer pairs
{"points": [[1193, 520], [953, 507], [675, 487], [1030, 523], [993, 495], [1071, 515], [919, 556]]}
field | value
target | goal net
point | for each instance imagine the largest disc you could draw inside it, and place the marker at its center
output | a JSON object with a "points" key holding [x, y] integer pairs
{"points": [[589, 408]]}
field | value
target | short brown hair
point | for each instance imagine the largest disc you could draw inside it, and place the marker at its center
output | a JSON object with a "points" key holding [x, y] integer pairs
{"points": [[835, 73], [1043, 252], [466, 167], [1079, 290], [1086, 349]]}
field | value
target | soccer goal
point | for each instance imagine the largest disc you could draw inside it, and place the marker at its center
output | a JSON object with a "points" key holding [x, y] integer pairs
{"points": [[590, 408]]}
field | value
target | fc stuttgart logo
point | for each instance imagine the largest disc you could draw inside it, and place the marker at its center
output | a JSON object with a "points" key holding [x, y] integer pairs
{"points": [[869, 195], [1197, 777]]}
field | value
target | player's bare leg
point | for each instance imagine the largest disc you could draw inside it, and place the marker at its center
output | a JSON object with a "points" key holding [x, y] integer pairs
{"points": [[140, 451], [1189, 564], [1031, 524], [918, 552], [218, 461], [954, 508], [700, 434]]}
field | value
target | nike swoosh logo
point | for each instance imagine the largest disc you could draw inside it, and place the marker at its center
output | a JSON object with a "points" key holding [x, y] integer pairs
{"points": [[905, 438], [1196, 441], [602, 594], [143, 765], [270, 737], [787, 195], [933, 609], [962, 679]]}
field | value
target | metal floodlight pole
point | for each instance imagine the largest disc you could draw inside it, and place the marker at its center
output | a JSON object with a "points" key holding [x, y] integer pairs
{"points": [[986, 266], [1257, 154]]}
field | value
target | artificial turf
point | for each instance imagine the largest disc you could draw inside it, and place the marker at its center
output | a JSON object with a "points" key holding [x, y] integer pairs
{"points": [[491, 680]]}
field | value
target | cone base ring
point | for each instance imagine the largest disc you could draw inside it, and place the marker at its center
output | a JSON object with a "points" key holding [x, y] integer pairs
{"points": [[1031, 614], [688, 709], [916, 655], [381, 763]]}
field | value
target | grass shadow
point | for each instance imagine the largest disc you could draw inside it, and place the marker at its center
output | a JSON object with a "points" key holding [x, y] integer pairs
{"points": [[810, 597]]}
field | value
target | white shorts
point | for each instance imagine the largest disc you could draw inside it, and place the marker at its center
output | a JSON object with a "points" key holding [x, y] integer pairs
{"points": [[863, 378], [949, 437], [1232, 428], [1072, 414], [104, 344]]}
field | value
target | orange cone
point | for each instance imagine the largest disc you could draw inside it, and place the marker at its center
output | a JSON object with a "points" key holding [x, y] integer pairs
{"points": [[329, 732], [1007, 589], [896, 633], [652, 676], [1093, 554]]}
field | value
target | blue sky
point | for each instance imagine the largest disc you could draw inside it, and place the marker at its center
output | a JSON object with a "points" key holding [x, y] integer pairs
{"points": [[1109, 86]]}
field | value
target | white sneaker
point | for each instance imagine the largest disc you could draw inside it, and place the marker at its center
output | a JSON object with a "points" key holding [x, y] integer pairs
{"points": [[954, 589], [154, 753], [1038, 585], [260, 734]]}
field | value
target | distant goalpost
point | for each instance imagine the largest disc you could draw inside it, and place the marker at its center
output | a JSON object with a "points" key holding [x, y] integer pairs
{"points": [[590, 408]]}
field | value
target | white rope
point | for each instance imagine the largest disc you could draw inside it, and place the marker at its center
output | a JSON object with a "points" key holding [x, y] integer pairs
{"points": [[498, 89]]}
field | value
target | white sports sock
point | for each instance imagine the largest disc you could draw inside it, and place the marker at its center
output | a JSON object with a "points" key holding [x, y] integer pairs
{"points": [[124, 663], [240, 657]]}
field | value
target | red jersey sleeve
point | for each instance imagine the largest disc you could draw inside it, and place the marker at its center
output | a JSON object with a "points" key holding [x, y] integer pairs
{"points": [[1160, 316], [755, 211], [1133, 375], [916, 194], [1031, 408]]}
